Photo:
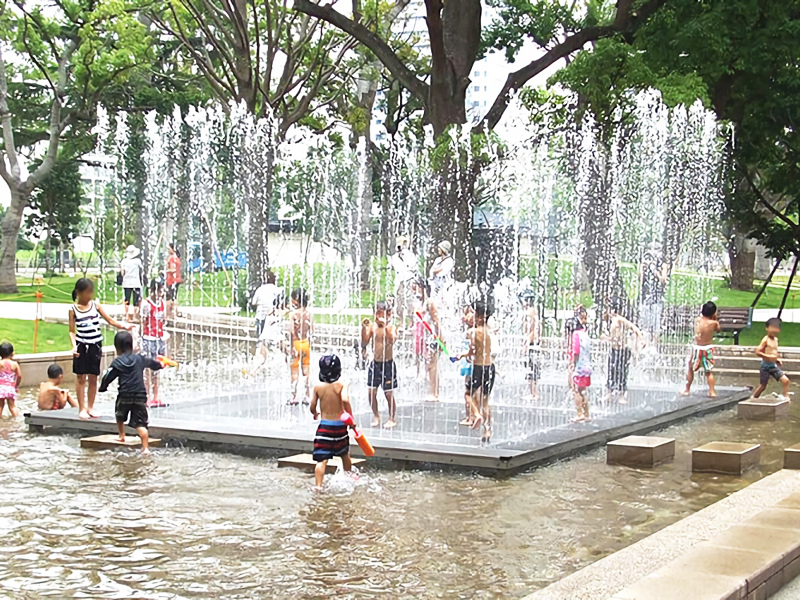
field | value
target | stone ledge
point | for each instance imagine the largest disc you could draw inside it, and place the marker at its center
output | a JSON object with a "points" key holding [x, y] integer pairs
{"points": [[732, 458], [762, 409], [640, 451], [791, 457], [608, 576]]}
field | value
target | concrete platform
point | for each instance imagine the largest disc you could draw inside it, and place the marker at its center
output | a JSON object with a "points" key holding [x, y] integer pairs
{"points": [[306, 462], [525, 433], [763, 409], [111, 442], [640, 451], [732, 458], [791, 457], [745, 546]]}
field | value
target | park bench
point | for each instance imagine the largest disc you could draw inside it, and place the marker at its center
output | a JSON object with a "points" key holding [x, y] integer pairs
{"points": [[734, 320]]}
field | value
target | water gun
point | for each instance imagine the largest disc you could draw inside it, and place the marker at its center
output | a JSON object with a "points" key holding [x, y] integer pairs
{"points": [[166, 361], [362, 441], [430, 330]]}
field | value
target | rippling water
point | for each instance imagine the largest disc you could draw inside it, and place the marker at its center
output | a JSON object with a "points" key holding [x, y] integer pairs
{"points": [[191, 524]]}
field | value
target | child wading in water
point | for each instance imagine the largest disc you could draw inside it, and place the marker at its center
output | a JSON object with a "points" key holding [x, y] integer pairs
{"points": [[332, 438], [580, 355], [382, 372], [619, 357], [770, 362], [132, 395], [87, 342], [532, 346], [702, 356], [483, 371], [51, 395], [302, 328], [154, 340], [10, 378], [465, 367]]}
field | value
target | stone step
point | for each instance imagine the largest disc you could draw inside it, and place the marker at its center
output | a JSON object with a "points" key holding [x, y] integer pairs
{"points": [[111, 442], [767, 408], [640, 451], [732, 458], [306, 462]]}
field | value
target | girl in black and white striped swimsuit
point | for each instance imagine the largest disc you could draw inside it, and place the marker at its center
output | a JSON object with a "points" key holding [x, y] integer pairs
{"points": [[87, 342]]}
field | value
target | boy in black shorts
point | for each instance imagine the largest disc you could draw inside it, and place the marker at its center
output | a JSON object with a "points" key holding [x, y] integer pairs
{"points": [[132, 395], [382, 371]]}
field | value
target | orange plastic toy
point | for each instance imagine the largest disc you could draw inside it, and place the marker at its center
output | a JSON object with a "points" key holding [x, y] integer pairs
{"points": [[362, 441], [166, 361]]}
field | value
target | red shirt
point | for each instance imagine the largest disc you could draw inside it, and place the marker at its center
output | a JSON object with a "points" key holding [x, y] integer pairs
{"points": [[173, 270], [153, 318]]}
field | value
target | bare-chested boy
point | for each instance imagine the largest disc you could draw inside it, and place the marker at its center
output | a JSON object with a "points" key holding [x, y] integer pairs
{"points": [[619, 357], [770, 359], [302, 327], [333, 398], [51, 395], [483, 371], [382, 372], [702, 355]]}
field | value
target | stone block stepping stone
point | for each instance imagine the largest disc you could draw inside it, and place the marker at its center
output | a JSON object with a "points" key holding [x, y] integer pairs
{"points": [[791, 457], [763, 409], [640, 451], [111, 442], [306, 462], [725, 457]]}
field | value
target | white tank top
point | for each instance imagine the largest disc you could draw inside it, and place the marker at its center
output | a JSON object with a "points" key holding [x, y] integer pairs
{"points": [[87, 325]]}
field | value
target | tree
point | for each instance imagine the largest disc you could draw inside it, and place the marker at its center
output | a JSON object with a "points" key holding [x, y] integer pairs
{"points": [[280, 65], [454, 34], [64, 58], [57, 206]]}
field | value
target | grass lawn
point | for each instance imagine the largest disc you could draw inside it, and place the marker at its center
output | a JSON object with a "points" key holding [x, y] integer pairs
{"points": [[52, 337]]}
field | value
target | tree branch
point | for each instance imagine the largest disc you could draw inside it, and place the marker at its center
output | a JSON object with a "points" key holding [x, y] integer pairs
{"points": [[369, 39], [625, 19], [5, 120], [766, 203]]}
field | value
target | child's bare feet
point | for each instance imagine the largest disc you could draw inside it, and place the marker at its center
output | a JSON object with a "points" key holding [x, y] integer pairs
{"points": [[83, 414], [477, 422], [145, 450], [94, 414], [686, 392], [390, 424], [467, 422], [121, 438], [712, 394], [376, 422]]}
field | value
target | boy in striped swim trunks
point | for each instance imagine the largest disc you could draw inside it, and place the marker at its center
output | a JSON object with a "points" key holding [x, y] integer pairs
{"points": [[332, 438], [702, 351]]}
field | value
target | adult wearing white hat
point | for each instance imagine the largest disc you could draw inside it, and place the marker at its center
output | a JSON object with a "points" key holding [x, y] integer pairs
{"points": [[441, 273], [131, 270], [404, 263]]}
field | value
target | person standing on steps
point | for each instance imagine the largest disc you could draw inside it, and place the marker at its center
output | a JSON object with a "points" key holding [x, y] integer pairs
{"points": [[131, 270], [655, 272], [173, 280]]}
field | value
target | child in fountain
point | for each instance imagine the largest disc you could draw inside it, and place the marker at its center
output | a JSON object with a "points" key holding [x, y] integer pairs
{"points": [[10, 379], [87, 343], [382, 372], [51, 395], [154, 341], [580, 362], [483, 370], [465, 367], [702, 356], [619, 356], [302, 327], [132, 394], [332, 438], [770, 359], [532, 346], [426, 331]]}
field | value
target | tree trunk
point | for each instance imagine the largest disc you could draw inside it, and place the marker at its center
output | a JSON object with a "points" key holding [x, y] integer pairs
{"points": [[10, 226], [597, 232], [257, 200], [743, 260], [450, 214]]}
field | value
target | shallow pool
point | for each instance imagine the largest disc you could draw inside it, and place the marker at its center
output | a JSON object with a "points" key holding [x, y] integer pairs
{"points": [[189, 524]]}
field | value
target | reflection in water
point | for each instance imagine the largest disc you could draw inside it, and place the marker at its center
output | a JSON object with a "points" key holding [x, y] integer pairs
{"points": [[190, 524]]}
